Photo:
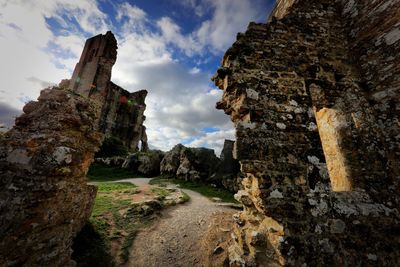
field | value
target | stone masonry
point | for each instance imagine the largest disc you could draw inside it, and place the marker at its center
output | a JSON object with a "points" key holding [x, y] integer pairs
{"points": [[314, 95], [44, 196], [122, 113]]}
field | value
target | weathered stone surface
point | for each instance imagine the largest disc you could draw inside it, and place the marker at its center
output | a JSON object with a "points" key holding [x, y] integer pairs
{"points": [[122, 112], [44, 198], [145, 163], [228, 171], [191, 164], [313, 97], [171, 161], [116, 161], [123, 116]]}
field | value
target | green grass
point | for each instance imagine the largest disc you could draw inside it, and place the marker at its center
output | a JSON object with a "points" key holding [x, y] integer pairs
{"points": [[101, 173], [106, 203], [161, 192], [107, 224], [108, 187], [185, 197], [205, 190]]}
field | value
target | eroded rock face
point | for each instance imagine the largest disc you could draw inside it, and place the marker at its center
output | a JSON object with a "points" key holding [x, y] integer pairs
{"points": [[44, 198], [317, 134], [191, 164], [145, 163], [228, 171]]}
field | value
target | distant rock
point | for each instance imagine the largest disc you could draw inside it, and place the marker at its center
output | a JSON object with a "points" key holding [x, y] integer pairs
{"points": [[190, 164], [228, 172], [145, 163], [111, 161], [171, 161]]}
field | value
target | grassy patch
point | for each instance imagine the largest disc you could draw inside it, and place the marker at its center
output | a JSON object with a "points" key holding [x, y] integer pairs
{"points": [[185, 197], [109, 222], [108, 187], [205, 190], [101, 173]]}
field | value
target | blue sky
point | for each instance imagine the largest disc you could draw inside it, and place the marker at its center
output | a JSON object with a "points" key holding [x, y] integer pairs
{"points": [[169, 47]]}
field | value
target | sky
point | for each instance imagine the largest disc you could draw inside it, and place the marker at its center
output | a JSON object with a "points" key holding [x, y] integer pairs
{"points": [[171, 48]]}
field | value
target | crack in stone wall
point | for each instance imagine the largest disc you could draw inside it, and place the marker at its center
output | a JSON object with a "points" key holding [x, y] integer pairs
{"points": [[312, 67]]}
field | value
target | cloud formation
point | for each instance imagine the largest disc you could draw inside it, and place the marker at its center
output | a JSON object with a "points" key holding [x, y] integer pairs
{"points": [[160, 54]]}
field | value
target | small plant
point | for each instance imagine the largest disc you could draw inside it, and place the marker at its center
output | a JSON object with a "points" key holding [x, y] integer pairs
{"points": [[185, 197]]}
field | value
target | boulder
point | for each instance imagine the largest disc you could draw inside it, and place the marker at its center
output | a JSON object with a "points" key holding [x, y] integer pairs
{"points": [[171, 161], [191, 164], [145, 163]]}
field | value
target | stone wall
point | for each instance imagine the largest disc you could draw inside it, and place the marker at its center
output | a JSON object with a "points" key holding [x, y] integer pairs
{"points": [[320, 156], [122, 113], [123, 117], [44, 198]]}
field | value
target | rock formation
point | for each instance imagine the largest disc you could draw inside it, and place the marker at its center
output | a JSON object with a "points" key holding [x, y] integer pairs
{"points": [[314, 95], [44, 198], [122, 113], [144, 163], [228, 171], [190, 164]]}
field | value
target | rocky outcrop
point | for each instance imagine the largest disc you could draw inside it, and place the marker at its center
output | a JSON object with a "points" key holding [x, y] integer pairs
{"points": [[144, 163], [44, 198], [228, 171], [312, 97], [191, 164]]}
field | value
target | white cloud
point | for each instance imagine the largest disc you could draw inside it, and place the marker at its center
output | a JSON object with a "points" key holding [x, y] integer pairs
{"points": [[214, 140], [181, 100], [194, 70], [229, 18], [171, 33]]}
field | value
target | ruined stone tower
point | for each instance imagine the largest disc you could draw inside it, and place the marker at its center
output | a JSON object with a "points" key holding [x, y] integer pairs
{"points": [[122, 113], [93, 71], [44, 196], [314, 95]]}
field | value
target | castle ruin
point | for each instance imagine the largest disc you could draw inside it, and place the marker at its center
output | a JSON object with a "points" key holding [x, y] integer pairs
{"points": [[314, 96], [44, 196], [122, 113]]}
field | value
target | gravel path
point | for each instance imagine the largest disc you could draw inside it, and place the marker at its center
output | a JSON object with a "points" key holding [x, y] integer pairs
{"points": [[175, 239]]}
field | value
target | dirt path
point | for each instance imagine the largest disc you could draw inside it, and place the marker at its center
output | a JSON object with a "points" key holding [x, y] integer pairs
{"points": [[175, 239]]}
